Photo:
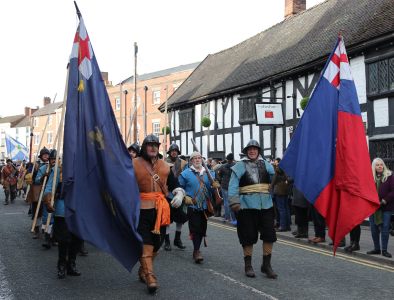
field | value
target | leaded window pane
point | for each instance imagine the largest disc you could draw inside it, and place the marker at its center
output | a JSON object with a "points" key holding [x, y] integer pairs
{"points": [[383, 76], [391, 74], [373, 78]]}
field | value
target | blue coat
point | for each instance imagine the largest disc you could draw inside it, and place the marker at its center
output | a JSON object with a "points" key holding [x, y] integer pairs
{"points": [[249, 201], [191, 184]]}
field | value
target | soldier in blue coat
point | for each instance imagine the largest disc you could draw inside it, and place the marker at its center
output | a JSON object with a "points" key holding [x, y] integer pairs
{"points": [[250, 199], [195, 182]]}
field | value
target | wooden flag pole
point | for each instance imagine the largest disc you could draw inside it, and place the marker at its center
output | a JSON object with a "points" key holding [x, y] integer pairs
{"points": [[39, 146], [165, 125], [48, 168], [60, 132]]}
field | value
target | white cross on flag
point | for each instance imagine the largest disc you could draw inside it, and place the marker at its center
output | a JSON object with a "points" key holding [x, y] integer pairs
{"points": [[16, 150]]}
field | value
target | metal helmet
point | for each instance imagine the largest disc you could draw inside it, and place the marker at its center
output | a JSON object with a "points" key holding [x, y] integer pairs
{"points": [[151, 139], [53, 154], [174, 147], [135, 147], [44, 151], [251, 143]]}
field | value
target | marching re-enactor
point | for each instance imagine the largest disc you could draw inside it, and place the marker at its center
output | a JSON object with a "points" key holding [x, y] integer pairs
{"points": [[154, 182], [251, 200], [177, 214]]}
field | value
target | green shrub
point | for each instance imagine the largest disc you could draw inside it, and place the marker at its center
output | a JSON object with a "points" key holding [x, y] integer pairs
{"points": [[205, 122]]}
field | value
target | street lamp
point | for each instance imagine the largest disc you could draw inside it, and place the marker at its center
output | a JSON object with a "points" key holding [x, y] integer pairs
{"points": [[125, 114], [145, 110]]}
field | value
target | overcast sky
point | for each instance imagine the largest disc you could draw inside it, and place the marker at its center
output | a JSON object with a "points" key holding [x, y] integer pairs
{"points": [[37, 37]]}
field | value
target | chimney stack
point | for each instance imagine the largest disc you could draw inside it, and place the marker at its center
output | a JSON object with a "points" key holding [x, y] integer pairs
{"points": [[47, 100], [293, 7], [27, 111]]}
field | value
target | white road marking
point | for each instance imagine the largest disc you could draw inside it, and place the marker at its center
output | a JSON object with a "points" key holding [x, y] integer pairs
{"points": [[5, 291], [225, 277], [14, 213]]}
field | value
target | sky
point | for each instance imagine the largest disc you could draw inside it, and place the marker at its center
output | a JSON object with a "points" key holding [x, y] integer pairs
{"points": [[37, 38]]}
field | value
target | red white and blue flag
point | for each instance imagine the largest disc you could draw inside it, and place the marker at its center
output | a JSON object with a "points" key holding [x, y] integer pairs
{"points": [[328, 154]]}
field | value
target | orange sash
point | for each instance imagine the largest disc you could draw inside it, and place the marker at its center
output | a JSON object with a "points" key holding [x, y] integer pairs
{"points": [[162, 209]]}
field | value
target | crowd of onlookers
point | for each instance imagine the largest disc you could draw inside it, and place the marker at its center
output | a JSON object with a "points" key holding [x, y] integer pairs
{"points": [[289, 201]]}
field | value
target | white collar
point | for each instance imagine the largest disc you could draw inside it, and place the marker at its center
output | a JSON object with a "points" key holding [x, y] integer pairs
{"points": [[247, 158], [199, 172]]}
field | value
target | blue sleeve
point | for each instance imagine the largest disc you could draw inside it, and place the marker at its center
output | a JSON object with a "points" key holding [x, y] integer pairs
{"points": [[41, 171], [270, 169]]}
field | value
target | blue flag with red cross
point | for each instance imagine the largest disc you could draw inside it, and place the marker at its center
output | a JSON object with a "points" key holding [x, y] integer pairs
{"points": [[99, 186]]}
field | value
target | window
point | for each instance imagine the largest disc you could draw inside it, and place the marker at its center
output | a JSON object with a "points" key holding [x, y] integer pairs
{"points": [[36, 138], [156, 97], [2, 142], [186, 120], [381, 76], [205, 109], [35, 122], [117, 103], [16, 131], [50, 120], [49, 137], [156, 128], [247, 113]]}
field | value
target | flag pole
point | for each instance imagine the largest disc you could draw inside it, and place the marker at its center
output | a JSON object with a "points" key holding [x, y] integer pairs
{"points": [[135, 91], [165, 125], [39, 145]]}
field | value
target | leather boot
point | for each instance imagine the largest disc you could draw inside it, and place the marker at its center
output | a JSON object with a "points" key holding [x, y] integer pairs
{"points": [[178, 241], [141, 274], [147, 267], [302, 233], [61, 270], [47, 243], [249, 272], [72, 269], [167, 243], [348, 249], [266, 267], [82, 250], [355, 247], [36, 234], [197, 256]]}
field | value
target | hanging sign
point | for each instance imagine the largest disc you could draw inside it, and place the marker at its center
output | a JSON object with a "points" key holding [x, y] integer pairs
{"points": [[269, 114]]}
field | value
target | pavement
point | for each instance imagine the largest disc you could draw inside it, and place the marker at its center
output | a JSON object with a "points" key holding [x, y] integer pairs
{"points": [[366, 243]]}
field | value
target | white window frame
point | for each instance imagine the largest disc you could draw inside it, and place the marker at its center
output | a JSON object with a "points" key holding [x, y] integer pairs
{"points": [[156, 97], [36, 139], [117, 103], [156, 127], [35, 121], [50, 117], [49, 140]]}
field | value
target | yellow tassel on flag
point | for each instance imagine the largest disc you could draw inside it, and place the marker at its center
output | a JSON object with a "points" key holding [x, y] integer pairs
{"points": [[81, 86]]}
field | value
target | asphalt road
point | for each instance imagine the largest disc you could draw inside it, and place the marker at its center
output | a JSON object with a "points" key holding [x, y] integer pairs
{"points": [[27, 271]]}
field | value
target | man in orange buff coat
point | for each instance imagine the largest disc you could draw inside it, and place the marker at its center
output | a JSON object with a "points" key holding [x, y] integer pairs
{"points": [[156, 183]]}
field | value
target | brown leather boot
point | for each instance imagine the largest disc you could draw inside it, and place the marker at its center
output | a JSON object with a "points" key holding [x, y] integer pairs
{"points": [[197, 256], [249, 272], [141, 273], [266, 267], [147, 267]]}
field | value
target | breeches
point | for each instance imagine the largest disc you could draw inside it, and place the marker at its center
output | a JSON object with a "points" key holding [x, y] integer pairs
{"points": [[252, 222]]}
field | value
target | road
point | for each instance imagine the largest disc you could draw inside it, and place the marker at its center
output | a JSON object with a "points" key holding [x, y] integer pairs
{"points": [[27, 271]]}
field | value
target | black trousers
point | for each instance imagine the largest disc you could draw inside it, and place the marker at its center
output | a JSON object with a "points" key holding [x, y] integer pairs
{"points": [[145, 227], [355, 234], [301, 216], [252, 222], [319, 223], [68, 243]]}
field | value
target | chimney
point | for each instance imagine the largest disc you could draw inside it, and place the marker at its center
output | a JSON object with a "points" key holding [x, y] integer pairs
{"points": [[27, 111], [47, 100], [104, 76], [293, 7]]}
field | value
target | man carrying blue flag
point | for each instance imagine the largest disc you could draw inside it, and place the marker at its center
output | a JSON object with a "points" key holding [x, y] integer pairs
{"points": [[100, 191]]}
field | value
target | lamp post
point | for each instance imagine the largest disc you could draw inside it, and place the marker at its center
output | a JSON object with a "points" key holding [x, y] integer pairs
{"points": [[145, 110], [125, 115]]}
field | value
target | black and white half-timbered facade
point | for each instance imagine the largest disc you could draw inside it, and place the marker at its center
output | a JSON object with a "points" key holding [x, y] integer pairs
{"points": [[282, 64]]}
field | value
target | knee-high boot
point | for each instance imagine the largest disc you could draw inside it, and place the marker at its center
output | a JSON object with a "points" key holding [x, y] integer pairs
{"points": [[147, 267]]}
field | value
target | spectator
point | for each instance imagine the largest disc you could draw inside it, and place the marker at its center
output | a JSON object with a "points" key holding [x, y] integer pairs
{"points": [[301, 209], [224, 175], [380, 220], [280, 188]]}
